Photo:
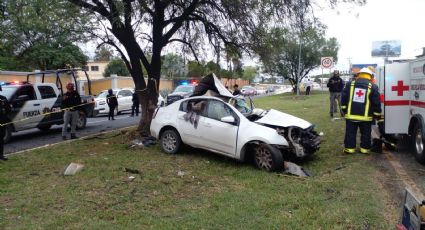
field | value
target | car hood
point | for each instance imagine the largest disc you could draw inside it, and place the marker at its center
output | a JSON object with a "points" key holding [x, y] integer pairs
{"points": [[277, 118]]}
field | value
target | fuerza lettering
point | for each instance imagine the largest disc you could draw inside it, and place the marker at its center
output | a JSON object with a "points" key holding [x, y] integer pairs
{"points": [[31, 113]]}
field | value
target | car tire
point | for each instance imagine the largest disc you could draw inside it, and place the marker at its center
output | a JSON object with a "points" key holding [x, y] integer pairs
{"points": [[44, 127], [170, 141], [7, 134], [268, 158], [418, 143], [82, 120]]}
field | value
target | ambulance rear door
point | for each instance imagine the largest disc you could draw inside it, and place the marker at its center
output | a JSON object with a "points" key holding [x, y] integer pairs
{"points": [[417, 69], [397, 98]]}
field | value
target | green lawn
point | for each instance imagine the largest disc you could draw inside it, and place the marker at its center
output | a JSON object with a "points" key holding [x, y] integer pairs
{"points": [[214, 193]]}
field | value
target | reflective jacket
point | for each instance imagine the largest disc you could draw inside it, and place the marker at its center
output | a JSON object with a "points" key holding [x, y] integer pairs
{"points": [[360, 100]]}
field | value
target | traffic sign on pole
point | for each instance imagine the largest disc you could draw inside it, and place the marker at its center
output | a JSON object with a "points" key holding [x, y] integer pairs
{"points": [[326, 62]]}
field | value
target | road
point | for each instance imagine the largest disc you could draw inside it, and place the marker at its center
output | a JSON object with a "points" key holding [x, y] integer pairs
{"points": [[34, 138]]}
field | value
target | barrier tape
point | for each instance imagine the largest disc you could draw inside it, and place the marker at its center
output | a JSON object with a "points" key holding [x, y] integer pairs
{"points": [[46, 114]]}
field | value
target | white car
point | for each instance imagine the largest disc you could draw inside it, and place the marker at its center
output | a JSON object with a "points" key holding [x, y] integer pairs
{"points": [[233, 128], [124, 97]]}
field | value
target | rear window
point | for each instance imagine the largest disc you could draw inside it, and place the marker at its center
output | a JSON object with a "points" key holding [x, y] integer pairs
{"points": [[47, 92]]}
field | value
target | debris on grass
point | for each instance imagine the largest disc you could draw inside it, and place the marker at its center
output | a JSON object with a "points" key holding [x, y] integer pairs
{"points": [[72, 169], [137, 144], [294, 169], [181, 173], [133, 171]]}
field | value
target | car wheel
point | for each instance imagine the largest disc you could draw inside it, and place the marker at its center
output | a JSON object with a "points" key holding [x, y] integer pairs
{"points": [[7, 134], [170, 141], [268, 158], [418, 140], [82, 120], [44, 127]]}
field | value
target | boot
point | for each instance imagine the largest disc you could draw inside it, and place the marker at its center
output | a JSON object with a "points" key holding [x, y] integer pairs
{"points": [[73, 136], [2, 157]]}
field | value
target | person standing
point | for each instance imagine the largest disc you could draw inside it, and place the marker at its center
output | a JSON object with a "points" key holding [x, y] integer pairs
{"points": [[70, 102], [136, 104], [236, 90], [112, 102], [360, 103], [4, 111], [335, 85], [308, 84]]}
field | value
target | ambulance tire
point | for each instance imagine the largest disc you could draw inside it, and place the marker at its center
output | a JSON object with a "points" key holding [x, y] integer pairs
{"points": [[419, 143]]}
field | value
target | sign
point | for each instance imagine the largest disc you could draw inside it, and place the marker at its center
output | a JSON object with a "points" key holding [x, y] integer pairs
{"points": [[386, 48], [355, 68], [326, 62]]}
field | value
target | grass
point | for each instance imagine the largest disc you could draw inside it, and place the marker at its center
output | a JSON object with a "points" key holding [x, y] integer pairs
{"points": [[194, 189]]}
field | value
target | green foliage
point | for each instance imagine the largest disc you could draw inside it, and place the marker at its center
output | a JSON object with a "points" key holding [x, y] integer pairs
{"points": [[249, 73], [173, 66], [35, 34], [280, 51], [116, 66], [196, 70], [103, 54]]}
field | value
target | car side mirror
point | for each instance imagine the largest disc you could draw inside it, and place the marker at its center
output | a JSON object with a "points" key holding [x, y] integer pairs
{"points": [[228, 119]]}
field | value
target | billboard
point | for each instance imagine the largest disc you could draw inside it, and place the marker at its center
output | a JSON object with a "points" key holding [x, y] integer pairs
{"points": [[390, 48], [355, 68]]}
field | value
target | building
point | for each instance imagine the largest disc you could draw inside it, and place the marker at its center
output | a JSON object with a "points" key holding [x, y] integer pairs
{"points": [[95, 69]]}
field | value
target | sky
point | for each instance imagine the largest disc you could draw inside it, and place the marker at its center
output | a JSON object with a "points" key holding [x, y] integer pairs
{"points": [[379, 20]]}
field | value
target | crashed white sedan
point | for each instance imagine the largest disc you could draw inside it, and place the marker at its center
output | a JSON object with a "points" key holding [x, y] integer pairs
{"points": [[229, 126]]}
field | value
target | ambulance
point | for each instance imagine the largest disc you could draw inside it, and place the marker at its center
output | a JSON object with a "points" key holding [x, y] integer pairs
{"points": [[402, 88]]}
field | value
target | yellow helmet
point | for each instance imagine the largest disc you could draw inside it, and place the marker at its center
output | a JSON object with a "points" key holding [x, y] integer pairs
{"points": [[365, 73]]}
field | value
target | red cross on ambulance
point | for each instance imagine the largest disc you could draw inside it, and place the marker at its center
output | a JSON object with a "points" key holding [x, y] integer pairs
{"points": [[400, 88]]}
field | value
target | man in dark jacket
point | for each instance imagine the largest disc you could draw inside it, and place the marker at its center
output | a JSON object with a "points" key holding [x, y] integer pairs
{"points": [[335, 85], [136, 104], [112, 102], [360, 103], [4, 111], [70, 102]]}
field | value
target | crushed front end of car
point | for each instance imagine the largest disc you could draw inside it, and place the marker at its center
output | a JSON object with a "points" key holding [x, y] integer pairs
{"points": [[302, 142]]}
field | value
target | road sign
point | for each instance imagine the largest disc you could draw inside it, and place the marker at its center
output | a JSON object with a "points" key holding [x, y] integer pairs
{"points": [[326, 62]]}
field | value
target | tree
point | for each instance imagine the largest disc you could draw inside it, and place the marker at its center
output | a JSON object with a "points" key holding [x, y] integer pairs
{"points": [[41, 34], [103, 54], [196, 69], [249, 73], [173, 66], [280, 53], [117, 67], [138, 28]]}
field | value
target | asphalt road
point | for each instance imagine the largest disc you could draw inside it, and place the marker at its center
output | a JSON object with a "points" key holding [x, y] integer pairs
{"points": [[34, 138]]}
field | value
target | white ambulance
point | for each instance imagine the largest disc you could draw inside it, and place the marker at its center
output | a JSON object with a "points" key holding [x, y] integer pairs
{"points": [[402, 88]]}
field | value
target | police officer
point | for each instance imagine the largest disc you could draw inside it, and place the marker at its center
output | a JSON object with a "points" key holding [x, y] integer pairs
{"points": [[360, 104], [4, 111], [70, 101]]}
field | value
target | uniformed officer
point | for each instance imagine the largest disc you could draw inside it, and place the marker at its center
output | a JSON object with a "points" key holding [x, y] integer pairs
{"points": [[4, 111], [360, 103], [70, 101]]}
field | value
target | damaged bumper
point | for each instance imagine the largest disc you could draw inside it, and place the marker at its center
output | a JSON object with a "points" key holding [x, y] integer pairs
{"points": [[302, 142]]}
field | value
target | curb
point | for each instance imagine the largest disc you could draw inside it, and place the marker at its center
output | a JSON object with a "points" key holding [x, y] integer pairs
{"points": [[68, 141]]}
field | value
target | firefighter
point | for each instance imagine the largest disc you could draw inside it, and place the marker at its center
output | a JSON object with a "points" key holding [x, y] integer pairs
{"points": [[360, 104]]}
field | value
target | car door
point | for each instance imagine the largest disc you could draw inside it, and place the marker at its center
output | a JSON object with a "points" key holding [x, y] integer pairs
{"points": [[27, 108], [190, 113], [218, 135], [124, 100]]}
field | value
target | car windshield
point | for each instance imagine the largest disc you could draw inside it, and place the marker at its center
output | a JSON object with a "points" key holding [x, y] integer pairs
{"points": [[183, 89], [103, 94], [8, 91]]}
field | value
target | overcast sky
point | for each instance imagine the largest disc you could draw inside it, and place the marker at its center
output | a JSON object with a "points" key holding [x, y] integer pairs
{"points": [[378, 20]]}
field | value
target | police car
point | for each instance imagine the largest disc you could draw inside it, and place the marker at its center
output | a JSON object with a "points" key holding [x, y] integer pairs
{"points": [[37, 106]]}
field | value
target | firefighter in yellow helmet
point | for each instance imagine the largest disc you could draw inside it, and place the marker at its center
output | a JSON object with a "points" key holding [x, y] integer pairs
{"points": [[360, 103]]}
